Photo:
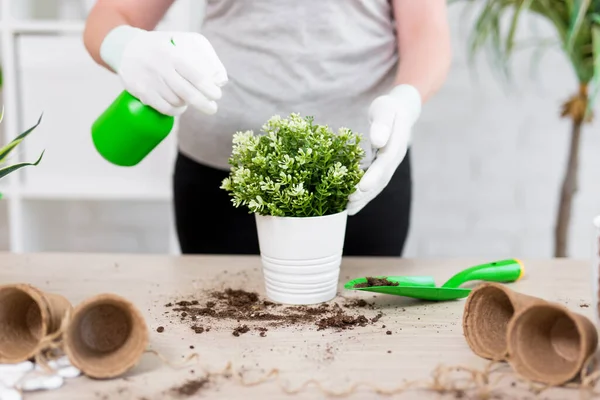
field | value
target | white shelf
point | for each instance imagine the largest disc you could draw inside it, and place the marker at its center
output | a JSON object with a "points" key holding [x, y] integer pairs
{"points": [[93, 193], [116, 192], [44, 27]]}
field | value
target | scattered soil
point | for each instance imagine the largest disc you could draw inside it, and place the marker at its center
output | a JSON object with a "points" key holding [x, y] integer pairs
{"points": [[376, 318], [342, 321], [584, 305], [240, 330], [388, 333], [190, 387], [372, 281], [358, 303], [197, 329], [160, 329], [248, 311], [263, 331], [329, 353]]}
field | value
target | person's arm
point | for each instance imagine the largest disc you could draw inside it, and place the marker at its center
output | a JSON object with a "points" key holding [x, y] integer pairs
{"points": [[423, 44], [108, 14], [167, 71], [425, 56]]}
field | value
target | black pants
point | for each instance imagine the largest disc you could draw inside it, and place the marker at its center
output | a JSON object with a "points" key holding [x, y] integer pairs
{"points": [[208, 223]]}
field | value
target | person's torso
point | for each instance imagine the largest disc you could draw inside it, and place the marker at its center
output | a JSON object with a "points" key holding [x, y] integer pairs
{"points": [[323, 58]]}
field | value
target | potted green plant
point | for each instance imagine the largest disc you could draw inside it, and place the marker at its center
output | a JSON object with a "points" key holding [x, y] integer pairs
{"points": [[6, 150], [296, 178]]}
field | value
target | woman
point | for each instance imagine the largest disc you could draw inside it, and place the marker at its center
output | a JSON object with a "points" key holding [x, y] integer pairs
{"points": [[368, 65]]}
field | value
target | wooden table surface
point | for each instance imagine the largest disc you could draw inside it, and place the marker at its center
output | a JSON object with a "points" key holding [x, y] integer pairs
{"points": [[423, 337]]}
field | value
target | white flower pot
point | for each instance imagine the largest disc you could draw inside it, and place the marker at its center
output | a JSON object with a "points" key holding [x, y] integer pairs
{"points": [[301, 256]]}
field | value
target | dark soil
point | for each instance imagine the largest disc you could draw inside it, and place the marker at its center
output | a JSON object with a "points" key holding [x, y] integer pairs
{"points": [[263, 331], [197, 329], [342, 321], [160, 329], [240, 330], [372, 281], [245, 308], [190, 387], [359, 303]]}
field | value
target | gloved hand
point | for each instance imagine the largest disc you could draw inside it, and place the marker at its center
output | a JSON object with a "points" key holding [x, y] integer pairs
{"points": [[391, 117], [167, 71]]}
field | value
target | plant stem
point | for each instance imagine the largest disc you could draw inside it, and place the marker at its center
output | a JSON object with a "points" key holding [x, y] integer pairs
{"points": [[569, 188]]}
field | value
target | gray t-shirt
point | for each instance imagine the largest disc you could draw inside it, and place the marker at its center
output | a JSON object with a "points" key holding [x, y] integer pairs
{"points": [[323, 58]]}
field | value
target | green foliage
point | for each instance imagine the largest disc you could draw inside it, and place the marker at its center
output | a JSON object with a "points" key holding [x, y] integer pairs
{"points": [[6, 150], [577, 25], [296, 168]]}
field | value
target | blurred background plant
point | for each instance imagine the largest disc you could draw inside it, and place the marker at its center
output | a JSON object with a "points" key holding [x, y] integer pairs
{"points": [[7, 150], [577, 25]]}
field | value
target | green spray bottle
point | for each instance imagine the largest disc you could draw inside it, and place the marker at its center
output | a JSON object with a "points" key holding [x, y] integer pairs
{"points": [[127, 131]]}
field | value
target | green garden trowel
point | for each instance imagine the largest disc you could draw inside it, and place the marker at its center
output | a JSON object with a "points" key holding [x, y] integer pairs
{"points": [[424, 288]]}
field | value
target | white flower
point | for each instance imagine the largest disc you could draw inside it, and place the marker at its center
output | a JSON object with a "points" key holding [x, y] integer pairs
{"points": [[226, 184], [287, 162], [241, 174], [257, 204], [297, 190], [338, 171]]}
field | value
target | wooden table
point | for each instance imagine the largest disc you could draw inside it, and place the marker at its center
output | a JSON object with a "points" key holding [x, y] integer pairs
{"points": [[423, 335]]}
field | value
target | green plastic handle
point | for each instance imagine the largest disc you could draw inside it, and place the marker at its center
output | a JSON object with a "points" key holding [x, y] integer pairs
{"points": [[128, 130], [499, 271]]}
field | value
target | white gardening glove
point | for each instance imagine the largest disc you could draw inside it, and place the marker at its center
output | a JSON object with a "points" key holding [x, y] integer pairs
{"points": [[167, 71], [391, 117]]}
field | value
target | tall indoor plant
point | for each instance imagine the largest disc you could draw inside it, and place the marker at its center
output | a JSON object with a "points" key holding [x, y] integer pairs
{"points": [[296, 179], [577, 26]]}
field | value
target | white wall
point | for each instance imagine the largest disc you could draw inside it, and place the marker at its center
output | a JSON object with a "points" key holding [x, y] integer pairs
{"points": [[487, 170], [489, 162]]}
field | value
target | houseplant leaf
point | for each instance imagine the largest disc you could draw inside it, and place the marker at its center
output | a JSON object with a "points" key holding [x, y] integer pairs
{"points": [[595, 82], [6, 150], [12, 168], [510, 41], [577, 16]]}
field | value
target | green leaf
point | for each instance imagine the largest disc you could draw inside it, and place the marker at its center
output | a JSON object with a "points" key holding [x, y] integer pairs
{"points": [[6, 150], [482, 27], [577, 17], [595, 83], [549, 11], [513, 25], [12, 168]]}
